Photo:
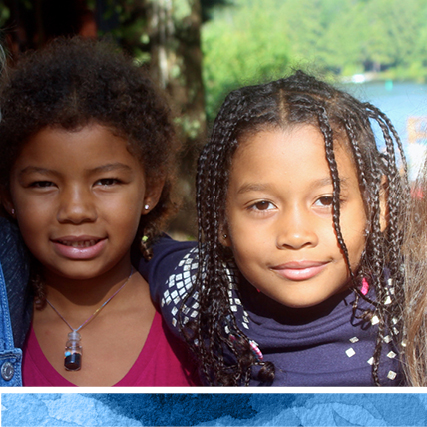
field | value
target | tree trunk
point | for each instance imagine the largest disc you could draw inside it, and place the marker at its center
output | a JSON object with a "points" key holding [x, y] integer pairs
{"points": [[176, 62]]}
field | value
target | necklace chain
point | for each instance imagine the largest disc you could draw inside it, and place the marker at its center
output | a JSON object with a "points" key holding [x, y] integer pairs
{"points": [[96, 311]]}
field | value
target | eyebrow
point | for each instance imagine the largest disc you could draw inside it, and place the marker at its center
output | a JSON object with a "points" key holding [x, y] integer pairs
{"points": [[252, 187], [343, 182], [34, 169], [111, 167], [257, 187], [104, 168]]}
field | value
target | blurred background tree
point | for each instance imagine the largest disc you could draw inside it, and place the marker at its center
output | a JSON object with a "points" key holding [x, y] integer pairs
{"points": [[198, 50]]}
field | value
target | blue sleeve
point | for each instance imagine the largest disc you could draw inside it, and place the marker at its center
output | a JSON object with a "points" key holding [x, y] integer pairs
{"points": [[167, 254], [171, 274], [15, 263]]}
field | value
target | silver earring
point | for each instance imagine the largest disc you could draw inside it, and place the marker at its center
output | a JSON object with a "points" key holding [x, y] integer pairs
{"points": [[13, 211], [224, 236], [146, 207]]}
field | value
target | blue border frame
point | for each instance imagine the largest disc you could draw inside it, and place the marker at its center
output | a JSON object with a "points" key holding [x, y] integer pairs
{"points": [[209, 409]]}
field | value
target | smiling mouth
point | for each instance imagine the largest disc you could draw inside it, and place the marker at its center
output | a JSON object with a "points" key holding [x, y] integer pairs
{"points": [[78, 243], [80, 247], [299, 271], [83, 244]]}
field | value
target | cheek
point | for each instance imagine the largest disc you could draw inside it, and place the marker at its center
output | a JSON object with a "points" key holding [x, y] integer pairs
{"points": [[250, 243], [127, 215], [355, 253], [33, 215], [248, 251], [34, 232], [239, 241], [355, 236]]}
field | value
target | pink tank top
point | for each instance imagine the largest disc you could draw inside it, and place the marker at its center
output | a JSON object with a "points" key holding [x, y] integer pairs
{"points": [[163, 362]]}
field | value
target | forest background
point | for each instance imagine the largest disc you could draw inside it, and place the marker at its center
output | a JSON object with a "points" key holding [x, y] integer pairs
{"points": [[199, 50]]}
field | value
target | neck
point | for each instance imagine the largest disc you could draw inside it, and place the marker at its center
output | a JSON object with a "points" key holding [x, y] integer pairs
{"points": [[264, 306], [68, 292]]}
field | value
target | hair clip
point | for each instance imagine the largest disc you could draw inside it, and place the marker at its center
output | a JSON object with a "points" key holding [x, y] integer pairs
{"points": [[365, 287]]}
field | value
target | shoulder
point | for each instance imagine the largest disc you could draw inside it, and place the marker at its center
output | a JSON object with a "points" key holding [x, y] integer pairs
{"points": [[171, 274], [12, 248], [165, 245], [9, 235], [15, 265], [13, 254], [168, 254]]}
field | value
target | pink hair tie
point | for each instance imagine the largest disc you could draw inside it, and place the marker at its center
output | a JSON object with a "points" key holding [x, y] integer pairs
{"points": [[365, 286]]}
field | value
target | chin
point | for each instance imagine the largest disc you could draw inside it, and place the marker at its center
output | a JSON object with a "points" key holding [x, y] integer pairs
{"points": [[301, 304], [302, 301], [75, 274]]}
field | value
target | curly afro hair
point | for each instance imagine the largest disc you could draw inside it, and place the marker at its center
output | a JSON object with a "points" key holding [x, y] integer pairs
{"points": [[74, 82]]}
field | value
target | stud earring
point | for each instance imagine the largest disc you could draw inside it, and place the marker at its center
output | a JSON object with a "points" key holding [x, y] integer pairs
{"points": [[13, 211], [146, 207], [224, 236]]}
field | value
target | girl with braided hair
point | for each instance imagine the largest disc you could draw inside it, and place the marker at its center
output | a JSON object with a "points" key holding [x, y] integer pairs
{"points": [[296, 280]]}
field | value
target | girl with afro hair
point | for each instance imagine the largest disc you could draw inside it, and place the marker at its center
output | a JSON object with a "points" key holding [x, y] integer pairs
{"points": [[87, 155]]}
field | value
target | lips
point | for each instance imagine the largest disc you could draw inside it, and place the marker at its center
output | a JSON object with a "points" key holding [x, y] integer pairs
{"points": [[79, 243], [79, 247], [300, 270]]}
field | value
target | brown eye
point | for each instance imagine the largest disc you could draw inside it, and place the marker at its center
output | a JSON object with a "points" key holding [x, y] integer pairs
{"points": [[42, 184], [108, 182], [324, 201], [263, 205]]}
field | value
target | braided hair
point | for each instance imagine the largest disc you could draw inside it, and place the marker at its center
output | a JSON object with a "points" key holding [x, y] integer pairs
{"points": [[298, 99]]}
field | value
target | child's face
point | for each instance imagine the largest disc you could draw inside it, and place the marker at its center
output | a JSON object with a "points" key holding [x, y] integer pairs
{"points": [[78, 199], [279, 216]]}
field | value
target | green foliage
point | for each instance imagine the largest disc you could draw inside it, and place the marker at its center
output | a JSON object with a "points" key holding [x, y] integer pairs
{"points": [[126, 21], [4, 14], [238, 49], [254, 40], [209, 5], [349, 36]]}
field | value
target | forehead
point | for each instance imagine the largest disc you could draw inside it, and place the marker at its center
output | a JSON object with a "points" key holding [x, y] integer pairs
{"points": [[298, 152], [82, 138], [86, 148]]}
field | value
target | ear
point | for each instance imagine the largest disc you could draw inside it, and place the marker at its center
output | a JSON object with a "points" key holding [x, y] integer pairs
{"points": [[224, 236], [384, 212], [6, 202], [152, 195]]}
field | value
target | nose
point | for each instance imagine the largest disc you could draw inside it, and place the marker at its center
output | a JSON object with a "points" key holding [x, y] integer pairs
{"points": [[296, 229], [76, 206]]}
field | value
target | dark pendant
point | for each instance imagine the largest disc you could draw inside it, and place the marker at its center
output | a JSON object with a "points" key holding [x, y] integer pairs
{"points": [[73, 362], [73, 352]]}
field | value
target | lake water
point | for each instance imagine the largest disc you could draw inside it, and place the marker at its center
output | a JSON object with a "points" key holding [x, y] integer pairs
{"points": [[399, 101]]}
